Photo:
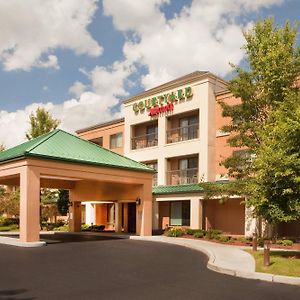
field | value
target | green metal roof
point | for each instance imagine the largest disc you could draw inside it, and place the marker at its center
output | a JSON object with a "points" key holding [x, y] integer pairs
{"points": [[62, 146], [177, 189]]}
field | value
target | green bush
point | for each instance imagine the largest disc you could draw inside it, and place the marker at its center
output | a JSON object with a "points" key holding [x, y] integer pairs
{"points": [[260, 242], [8, 221], [175, 232], [198, 235], [190, 231], [224, 238], [285, 242], [64, 227]]}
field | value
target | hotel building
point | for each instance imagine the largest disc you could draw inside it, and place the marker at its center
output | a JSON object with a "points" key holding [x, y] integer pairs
{"points": [[175, 129]]}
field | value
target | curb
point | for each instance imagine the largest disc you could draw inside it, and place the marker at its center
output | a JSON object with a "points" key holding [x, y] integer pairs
{"points": [[212, 265], [16, 242]]}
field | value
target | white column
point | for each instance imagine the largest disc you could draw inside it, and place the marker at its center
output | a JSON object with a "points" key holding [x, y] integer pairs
{"points": [[155, 216], [196, 214], [90, 213], [118, 215], [161, 161]]}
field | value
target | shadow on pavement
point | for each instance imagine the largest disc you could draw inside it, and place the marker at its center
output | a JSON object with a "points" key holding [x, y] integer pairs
{"points": [[58, 238], [13, 294]]}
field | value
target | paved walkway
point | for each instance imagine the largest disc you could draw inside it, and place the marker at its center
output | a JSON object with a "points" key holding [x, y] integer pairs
{"points": [[231, 260]]}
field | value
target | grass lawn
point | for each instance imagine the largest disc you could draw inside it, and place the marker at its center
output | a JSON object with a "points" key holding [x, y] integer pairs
{"points": [[281, 262]]}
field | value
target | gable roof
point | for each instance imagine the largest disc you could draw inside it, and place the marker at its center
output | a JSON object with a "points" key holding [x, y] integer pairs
{"points": [[60, 145]]}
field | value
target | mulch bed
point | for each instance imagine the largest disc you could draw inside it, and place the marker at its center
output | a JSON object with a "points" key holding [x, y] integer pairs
{"points": [[295, 246]]}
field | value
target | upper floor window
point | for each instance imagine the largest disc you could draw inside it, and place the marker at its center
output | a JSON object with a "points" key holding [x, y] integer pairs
{"points": [[98, 141], [188, 130], [116, 140]]}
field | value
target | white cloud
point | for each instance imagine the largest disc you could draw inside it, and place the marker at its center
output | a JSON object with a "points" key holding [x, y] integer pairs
{"points": [[32, 29], [88, 109], [74, 114], [205, 36], [77, 88], [111, 80]]}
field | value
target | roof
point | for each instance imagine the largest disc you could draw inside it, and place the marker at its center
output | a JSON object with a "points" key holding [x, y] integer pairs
{"points": [[100, 125], [186, 79], [177, 189], [62, 146]]}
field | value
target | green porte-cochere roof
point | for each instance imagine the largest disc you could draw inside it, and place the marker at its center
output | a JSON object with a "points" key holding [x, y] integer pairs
{"points": [[62, 146], [177, 189]]}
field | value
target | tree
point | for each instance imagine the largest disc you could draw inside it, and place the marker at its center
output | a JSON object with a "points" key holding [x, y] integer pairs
{"points": [[264, 125], [63, 202], [274, 64], [274, 192], [10, 203], [41, 122]]}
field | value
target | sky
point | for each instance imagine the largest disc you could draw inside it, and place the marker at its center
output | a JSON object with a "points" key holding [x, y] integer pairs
{"points": [[81, 59]]}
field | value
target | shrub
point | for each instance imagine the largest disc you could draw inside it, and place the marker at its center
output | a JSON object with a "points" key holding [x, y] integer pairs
{"points": [[260, 242], [198, 234], [175, 232], [285, 242], [85, 227], [9, 221], [190, 231], [216, 232], [224, 238], [243, 240]]}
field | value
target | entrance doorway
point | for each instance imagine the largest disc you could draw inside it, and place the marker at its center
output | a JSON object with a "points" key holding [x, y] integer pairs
{"points": [[131, 218]]}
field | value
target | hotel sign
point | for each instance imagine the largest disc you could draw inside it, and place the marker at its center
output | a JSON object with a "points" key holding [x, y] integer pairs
{"points": [[163, 103]]}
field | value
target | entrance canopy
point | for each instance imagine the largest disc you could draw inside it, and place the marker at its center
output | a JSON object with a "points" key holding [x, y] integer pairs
{"points": [[91, 173]]}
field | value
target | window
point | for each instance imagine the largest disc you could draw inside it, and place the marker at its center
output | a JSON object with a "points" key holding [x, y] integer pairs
{"points": [[152, 135], [188, 128], [98, 141], [180, 213], [188, 170], [116, 140]]}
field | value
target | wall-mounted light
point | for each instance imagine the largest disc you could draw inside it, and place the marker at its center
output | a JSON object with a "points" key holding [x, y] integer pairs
{"points": [[138, 201], [70, 204]]}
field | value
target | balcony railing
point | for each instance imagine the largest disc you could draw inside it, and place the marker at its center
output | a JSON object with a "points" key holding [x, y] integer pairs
{"points": [[182, 176], [144, 141], [184, 133]]}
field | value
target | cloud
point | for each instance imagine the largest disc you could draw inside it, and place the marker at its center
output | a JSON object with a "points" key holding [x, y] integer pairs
{"points": [[74, 114], [206, 35], [31, 30], [91, 107], [77, 88]]}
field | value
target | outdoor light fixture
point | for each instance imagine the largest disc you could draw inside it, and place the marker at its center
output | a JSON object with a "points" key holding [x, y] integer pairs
{"points": [[138, 201]]}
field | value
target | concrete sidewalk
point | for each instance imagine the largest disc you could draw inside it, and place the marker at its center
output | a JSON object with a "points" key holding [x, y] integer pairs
{"points": [[226, 259]]}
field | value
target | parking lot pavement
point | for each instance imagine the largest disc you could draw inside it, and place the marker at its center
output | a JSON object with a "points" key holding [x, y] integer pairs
{"points": [[93, 267]]}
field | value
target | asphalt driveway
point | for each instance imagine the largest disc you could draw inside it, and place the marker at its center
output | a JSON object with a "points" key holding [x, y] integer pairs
{"points": [[93, 267]]}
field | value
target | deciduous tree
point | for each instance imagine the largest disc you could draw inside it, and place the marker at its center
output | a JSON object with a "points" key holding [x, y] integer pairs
{"points": [[40, 123]]}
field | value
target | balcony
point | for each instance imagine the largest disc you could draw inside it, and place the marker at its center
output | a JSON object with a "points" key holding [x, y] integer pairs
{"points": [[184, 133], [184, 176], [144, 141]]}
